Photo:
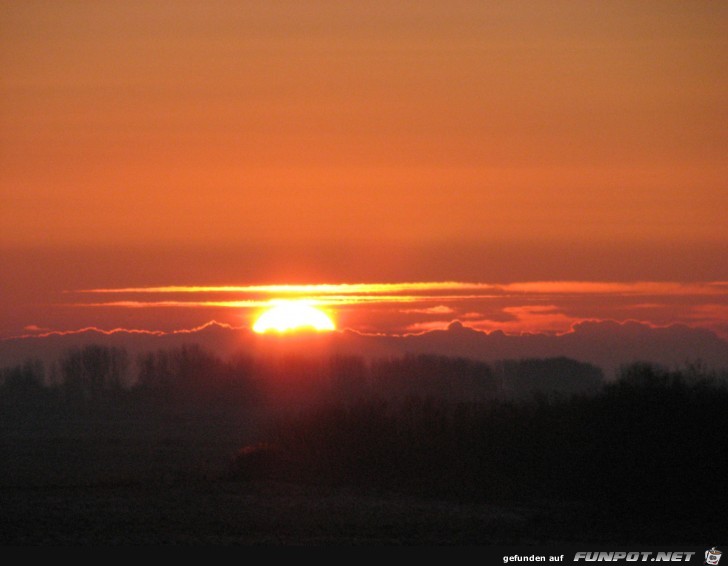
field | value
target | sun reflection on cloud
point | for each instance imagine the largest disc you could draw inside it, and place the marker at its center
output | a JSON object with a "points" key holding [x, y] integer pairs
{"points": [[397, 308]]}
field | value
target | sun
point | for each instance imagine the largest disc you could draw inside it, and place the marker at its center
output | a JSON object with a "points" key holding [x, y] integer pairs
{"points": [[291, 316]]}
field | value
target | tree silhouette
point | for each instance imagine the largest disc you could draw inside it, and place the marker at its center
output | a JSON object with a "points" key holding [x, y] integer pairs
{"points": [[93, 373]]}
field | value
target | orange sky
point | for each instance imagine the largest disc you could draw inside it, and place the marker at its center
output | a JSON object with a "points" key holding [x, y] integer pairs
{"points": [[224, 142]]}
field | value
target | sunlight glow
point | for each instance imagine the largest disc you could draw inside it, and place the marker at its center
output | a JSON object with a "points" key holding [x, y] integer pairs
{"points": [[291, 316]]}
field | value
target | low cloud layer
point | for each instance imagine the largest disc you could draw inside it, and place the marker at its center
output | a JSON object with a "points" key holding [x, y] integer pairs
{"points": [[607, 344], [551, 307]]}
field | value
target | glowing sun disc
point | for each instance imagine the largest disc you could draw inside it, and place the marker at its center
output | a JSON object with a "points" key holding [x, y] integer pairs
{"points": [[288, 316]]}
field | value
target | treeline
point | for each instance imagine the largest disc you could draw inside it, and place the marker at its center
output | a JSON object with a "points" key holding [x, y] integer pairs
{"points": [[190, 374], [644, 458], [98, 375]]}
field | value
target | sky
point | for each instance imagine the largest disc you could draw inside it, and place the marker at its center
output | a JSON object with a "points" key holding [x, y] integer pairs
{"points": [[161, 143]]}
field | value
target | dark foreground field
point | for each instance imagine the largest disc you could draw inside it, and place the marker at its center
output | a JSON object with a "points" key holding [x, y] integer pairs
{"points": [[164, 478], [221, 512]]}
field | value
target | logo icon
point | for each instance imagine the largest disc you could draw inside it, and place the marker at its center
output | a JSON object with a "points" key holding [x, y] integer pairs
{"points": [[712, 556]]}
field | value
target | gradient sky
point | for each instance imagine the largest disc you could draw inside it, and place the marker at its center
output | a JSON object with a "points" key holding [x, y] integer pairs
{"points": [[193, 143]]}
